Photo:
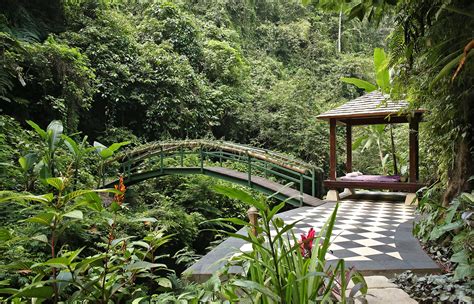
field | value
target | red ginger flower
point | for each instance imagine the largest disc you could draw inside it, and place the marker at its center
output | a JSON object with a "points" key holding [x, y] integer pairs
{"points": [[306, 243], [119, 198]]}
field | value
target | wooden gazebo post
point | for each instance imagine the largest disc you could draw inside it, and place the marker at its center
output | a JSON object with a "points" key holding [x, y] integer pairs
{"points": [[332, 149], [413, 150], [332, 195]]}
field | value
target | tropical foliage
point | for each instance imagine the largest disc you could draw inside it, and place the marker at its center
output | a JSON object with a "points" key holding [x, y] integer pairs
{"points": [[79, 80], [451, 226], [279, 268], [282, 269]]}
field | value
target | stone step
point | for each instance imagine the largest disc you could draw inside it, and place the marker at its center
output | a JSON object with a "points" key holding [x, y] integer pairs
{"points": [[382, 291]]}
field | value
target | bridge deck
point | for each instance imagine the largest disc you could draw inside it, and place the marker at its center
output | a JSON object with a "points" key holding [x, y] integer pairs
{"points": [[267, 184], [374, 236]]}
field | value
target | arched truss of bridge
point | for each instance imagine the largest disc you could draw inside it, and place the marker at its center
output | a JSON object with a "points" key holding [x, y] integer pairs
{"points": [[264, 170]]}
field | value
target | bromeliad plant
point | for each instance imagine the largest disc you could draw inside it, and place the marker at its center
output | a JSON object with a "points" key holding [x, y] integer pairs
{"points": [[306, 243], [280, 269]]}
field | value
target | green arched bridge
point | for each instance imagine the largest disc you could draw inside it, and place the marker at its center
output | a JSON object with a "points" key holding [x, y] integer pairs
{"points": [[259, 169]]}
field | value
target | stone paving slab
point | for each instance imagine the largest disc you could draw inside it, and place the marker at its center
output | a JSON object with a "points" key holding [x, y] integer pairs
{"points": [[379, 282], [388, 296], [382, 291], [372, 236]]}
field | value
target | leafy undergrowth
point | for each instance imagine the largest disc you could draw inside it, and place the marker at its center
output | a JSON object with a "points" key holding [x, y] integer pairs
{"points": [[441, 255], [436, 288], [447, 236]]}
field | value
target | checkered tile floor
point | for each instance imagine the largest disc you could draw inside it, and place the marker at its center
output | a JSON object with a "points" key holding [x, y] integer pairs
{"points": [[364, 231], [374, 236]]}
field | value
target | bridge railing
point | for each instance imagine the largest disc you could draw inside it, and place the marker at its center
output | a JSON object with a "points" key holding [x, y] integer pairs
{"points": [[256, 161]]}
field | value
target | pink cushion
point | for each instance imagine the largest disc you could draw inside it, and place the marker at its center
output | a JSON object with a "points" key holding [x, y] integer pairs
{"points": [[373, 178]]}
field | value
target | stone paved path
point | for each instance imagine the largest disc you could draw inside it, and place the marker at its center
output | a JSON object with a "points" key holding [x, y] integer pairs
{"points": [[373, 236]]}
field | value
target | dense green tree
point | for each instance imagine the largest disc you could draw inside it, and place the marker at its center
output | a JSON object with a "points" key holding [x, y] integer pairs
{"points": [[251, 72]]}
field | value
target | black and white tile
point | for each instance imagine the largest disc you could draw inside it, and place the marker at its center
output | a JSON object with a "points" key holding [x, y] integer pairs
{"points": [[363, 231], [372, 236]]}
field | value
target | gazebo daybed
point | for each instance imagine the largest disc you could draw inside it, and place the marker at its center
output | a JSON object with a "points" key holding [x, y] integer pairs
{"points": [[369, 109]]}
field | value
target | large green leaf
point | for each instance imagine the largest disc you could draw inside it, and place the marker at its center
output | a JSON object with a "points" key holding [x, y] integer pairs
{"points": [[59, 262], [11, 196], [98, 259], [64, 277], [238, 195], [362, 84], [382, 75], [57, 182], [8, 291], [43, 292], [54, 130], [358, 142], [460, 257], [38, 129], [464, 271], [44, 171], [106, 153], [71, 145], [98, 146], [452, 211], [74, 254], [28, 161], [232, 220], [359, 284], [164, 282], [358, 11], [90, 200], [115, 146], [17, 266], [40, 238], [468, 197], [254, 286], [75, 214], [42, 218], [438, 231], [143, 265], [457, 11], [142, 299], [88, 194]]}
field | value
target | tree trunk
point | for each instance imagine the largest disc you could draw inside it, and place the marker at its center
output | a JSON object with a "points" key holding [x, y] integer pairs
{"points": [[463, 168], [379, 145], [394, 156], [339, 33]]}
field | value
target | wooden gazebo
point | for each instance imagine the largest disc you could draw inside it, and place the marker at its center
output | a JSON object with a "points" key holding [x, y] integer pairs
{"points": [[369, 109]]}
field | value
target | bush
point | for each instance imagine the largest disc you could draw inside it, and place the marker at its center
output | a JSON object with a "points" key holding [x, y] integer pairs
{"points": [[450, 228], [436, 288]]}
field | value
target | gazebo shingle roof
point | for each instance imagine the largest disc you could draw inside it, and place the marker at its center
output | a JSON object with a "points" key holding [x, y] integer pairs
{"points": [[370, 105]]}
